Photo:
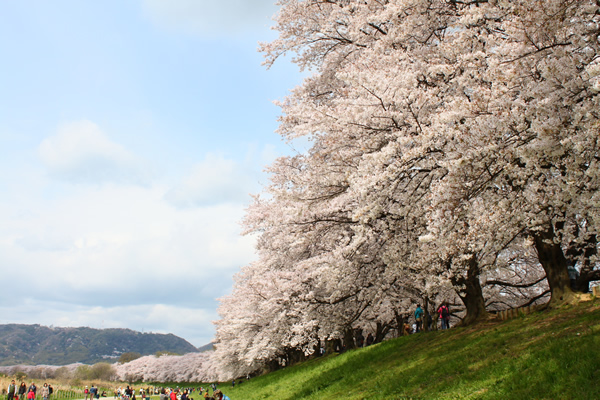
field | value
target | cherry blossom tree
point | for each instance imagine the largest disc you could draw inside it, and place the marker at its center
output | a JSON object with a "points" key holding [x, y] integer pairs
{"points": [[451, 142]]}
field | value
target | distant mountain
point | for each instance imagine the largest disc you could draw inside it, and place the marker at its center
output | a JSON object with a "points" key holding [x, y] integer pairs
{"points": [[36, 345], [206, 347]]}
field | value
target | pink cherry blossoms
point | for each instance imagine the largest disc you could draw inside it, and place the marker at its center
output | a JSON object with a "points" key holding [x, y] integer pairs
{"points": [[454, 158]]}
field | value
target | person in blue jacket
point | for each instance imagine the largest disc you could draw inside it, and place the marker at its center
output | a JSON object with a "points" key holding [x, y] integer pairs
{"points": [[220, 396], [419, 318]]}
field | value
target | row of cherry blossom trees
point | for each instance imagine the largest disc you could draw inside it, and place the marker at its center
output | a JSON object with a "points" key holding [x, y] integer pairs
{"points": [[454, 156], [192, 367]]}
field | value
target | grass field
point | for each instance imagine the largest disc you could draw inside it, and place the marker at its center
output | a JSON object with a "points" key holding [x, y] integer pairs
{"points": [[551, 354]]}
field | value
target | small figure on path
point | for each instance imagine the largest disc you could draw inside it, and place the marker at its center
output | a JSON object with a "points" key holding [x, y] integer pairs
{"points": [[407, 329], [573, 276], [444, 313], [419, 318]]}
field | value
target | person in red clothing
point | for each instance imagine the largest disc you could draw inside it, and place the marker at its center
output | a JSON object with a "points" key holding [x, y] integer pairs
{"points": [[173, 395], [444, 314]]}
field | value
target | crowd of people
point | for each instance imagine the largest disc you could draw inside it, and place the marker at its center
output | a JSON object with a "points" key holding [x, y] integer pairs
{"points": [[166, 393], [421, 318], [24, 392], [93, 393], [27, 392], [185, 394]]}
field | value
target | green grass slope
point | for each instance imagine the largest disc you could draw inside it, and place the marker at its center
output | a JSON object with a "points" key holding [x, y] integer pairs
{"points": [[552, 354]]}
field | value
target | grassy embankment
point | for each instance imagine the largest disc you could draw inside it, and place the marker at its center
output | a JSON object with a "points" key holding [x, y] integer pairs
{"points": [[552, 354]]}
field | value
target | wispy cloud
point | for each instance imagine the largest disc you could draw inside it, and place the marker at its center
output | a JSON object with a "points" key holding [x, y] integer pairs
{"points": [[81, 152], [215, 180], [224, 18]]}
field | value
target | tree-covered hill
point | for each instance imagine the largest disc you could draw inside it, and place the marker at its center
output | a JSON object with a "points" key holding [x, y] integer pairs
{"points": [[36, 344]]}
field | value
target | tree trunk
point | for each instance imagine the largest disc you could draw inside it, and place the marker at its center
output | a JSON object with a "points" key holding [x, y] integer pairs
{"points": [[555, 264], [380, 332], [426, 316], [271, 366], [399, 323], [349, 339], [330, 346], [295, 356], [472, 295], [587, 273]]}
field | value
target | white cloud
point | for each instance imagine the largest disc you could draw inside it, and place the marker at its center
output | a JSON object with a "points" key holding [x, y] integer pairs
{"points": [[215, 180], [114, 235], [118, 254], [211, 18], [81, 153], [106, 249]]}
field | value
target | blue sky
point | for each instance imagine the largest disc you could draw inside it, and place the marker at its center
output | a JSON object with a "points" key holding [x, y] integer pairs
{"points": [[131, 135]]}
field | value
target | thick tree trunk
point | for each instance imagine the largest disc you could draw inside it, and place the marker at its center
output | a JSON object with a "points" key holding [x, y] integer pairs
{"points": [[399, 323], [472, 295], [380, 332], [349, 338], [554, 262]]}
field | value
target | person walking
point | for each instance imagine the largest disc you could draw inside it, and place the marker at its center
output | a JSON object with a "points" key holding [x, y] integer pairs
{"points": [[444, 314], [45, 392], [32, 388], [22, 391], [12, 389], [419, 318]]}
